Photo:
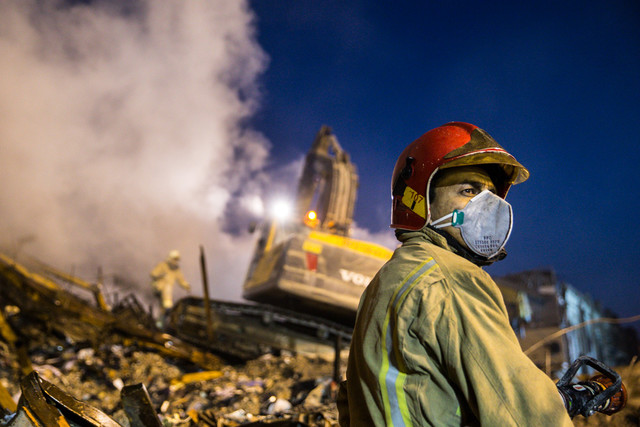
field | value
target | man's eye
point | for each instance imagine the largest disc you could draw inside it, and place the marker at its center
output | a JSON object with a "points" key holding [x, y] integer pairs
{"points": [[470, 192]]}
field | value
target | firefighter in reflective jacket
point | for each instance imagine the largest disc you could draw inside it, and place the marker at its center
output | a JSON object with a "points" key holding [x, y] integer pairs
{"points": [[432, 343], [164, 276]]}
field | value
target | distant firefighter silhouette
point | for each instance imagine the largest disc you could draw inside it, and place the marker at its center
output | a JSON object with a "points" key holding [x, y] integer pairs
{"points": [[164, 276]]}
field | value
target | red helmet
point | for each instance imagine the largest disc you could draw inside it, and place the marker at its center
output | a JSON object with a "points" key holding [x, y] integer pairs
{"points": [[451, 145]]}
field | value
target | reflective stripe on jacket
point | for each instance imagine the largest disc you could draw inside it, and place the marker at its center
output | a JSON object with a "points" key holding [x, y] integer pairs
{"points": [[433, 346]]}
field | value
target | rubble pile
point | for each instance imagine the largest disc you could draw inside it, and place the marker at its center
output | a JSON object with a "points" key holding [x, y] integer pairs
{"points": [[292, 389], [288, 389], [62, 356]]}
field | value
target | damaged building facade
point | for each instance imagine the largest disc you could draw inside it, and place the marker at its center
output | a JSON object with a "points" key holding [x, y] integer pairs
{"points": [[556, 323]]}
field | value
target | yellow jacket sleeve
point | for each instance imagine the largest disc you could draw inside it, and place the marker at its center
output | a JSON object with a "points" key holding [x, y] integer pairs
{"points": [[483, 358]]}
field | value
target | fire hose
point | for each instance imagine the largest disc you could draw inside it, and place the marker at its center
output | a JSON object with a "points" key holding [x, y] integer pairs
{"points": [[603, 392]]}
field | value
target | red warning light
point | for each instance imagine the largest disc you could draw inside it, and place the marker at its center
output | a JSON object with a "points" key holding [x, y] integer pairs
{"points": [[311, 219]]}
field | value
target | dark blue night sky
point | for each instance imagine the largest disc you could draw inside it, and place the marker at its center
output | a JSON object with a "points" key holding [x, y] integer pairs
{"points": [[556, 83]]}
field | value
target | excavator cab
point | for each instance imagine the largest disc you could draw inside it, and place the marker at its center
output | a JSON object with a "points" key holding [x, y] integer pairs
{"points": [[310, 264]]}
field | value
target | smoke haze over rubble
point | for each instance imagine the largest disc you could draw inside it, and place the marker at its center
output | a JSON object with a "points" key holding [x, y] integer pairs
{"points": [[122, 137]]}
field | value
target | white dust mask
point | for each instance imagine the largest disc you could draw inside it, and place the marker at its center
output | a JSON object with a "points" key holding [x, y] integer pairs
{"points": [[485, 223]]}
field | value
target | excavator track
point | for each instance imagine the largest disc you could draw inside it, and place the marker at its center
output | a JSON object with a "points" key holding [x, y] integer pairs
{"points": [[247, 331]]}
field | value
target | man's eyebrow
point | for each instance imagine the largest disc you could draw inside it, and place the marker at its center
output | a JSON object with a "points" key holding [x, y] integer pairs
{"points": [[478, 184]]}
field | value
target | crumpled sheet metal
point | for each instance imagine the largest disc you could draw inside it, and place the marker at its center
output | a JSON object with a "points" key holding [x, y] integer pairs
{"points": [[43, 404], [138, 406]]}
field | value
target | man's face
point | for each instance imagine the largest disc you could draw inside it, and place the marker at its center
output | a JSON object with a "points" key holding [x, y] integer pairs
{"points": [[453, 189]]}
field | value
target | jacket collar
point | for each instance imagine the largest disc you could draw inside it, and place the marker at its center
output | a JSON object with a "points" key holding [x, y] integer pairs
{"points": [[429, 234], [446, 241]]}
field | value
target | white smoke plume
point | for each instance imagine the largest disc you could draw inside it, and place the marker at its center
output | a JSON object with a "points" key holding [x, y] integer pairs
{"points": [[122, 136]]}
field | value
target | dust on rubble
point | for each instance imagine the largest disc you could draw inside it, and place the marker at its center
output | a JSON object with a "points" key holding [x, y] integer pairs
{"points": [[283, 387]]}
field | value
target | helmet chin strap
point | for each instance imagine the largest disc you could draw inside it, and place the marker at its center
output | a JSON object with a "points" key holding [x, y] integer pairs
{"points": [[473, 257]]}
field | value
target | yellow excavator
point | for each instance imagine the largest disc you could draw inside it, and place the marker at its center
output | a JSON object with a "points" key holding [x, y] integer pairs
{"points": [[310, 264], [306, 274]]}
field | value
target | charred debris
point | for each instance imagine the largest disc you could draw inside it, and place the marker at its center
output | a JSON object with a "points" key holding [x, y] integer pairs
{"points": [[70, 359]]}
